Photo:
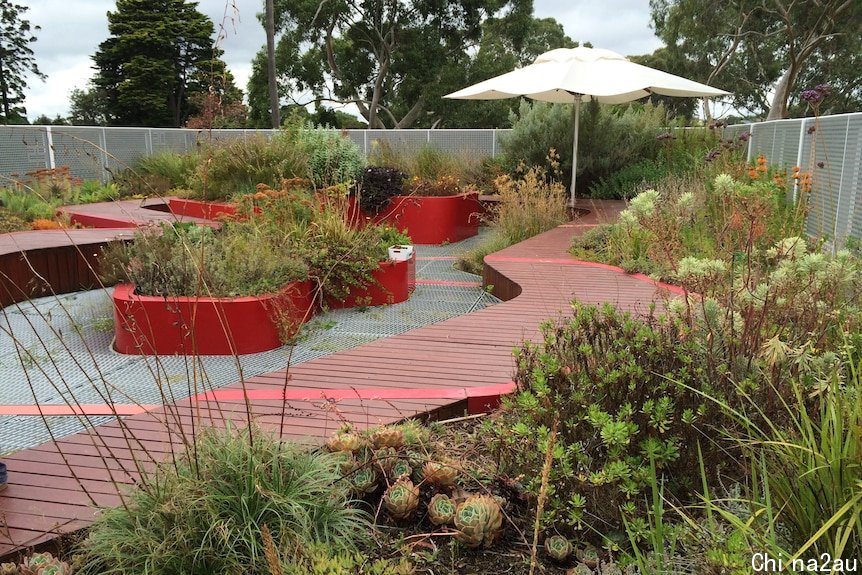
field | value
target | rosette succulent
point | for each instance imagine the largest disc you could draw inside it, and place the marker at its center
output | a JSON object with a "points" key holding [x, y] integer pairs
{"points": [[35, 562], [56, 567], [399, 468], [8, 569], [558, 547], [388, 437], [385, 458], [479, 521], [365, 480], [440, 474], [401, 499], [344, 441], [441, 510], [588, 555]]}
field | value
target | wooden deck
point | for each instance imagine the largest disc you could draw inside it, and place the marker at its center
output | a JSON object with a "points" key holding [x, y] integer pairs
{"points": [[54, 487]]}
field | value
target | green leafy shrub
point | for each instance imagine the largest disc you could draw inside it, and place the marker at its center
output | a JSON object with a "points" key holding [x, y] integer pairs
{"points": [[204, 514], [236, 166], [629, 180], [188, 260], [616, 135], [606, 375], [11, 222], [332, 158], [159, 173]]}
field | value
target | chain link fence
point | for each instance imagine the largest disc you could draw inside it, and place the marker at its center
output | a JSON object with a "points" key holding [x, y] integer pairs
{"points": [[829, 147]]}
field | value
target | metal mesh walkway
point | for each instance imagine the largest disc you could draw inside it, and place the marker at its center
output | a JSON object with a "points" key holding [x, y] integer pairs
{"points": [[57, 350]]}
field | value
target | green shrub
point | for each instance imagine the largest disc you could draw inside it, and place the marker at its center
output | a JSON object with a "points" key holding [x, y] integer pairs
{"points": [[11, 222], [606, 376], [332, 158], [188, 260], [29, 205], [161, 172], [629, 180], [236, 166], [612, 137], [204, 514]]}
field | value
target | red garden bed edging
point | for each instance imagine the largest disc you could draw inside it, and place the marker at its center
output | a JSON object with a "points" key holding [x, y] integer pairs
{"points": [[200, 209], [427, 219], [394, 286], [152, 325]]}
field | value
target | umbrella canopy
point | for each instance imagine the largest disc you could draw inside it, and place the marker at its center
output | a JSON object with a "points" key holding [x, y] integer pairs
{"points": [[569, 75]]}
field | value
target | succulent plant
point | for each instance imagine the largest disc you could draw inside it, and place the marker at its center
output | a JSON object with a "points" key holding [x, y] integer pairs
{"points": [[365, 480], [479, 521], [580, 569], [385, 457], [399, 468], [56, 567], [388, 437], [344, 441], [8, 569], [558, 547], [611, 569], [347, 464], [401, 499], [440, 474], [33, 563], [588, 555], [441, 510]]}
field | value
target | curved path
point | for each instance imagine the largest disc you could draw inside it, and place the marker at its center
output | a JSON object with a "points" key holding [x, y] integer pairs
{"points": [[433, 370]]}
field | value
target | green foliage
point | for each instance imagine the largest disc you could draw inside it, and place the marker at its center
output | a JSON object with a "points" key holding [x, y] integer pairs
{"points": [[160, 173], [617, 136], [204, 514], [629, 180], [11, 221], [158, 56], [17, 61], [332, 158], [188, 260], [236, 166], [319, 560], [605, 374]]}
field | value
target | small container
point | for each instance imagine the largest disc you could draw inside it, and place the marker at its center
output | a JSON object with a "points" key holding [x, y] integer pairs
{"points": [[400, 253]]}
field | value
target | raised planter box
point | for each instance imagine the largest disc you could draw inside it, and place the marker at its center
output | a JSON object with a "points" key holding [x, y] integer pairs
{"points": [[152, 325], [427, 219], [200, 209], [394, 286]]}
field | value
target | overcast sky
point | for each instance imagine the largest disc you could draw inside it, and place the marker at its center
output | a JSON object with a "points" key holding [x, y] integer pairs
{"points": [[73, 29]]}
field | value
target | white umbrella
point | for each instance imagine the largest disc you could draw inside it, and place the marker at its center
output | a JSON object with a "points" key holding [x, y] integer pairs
{"points": [[569, 75]]}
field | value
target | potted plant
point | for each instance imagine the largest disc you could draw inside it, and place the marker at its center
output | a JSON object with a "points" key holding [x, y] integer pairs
{"points": [[195, 290], [431, 211]]}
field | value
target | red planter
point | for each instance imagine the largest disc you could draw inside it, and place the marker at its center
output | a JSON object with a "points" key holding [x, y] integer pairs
{"points": [[152, 325], [428, 219], [200, 209], [394, 279]]}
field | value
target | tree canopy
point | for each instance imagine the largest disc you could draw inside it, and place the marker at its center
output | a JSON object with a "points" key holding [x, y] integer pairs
{"points": [[16, 61], [158, 64], [766, 53], [394, 59]]}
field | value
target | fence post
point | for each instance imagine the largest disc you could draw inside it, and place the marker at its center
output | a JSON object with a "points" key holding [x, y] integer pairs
{"points": [[50, 143], [494, 143], [365, 142], [103, 143], [799, 157], [750, 145]]}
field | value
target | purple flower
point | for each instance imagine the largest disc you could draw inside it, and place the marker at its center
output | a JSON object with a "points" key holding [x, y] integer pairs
{"points": [[744, 136], [812, 96], [712, 155], [824, 89], [821, 164]]}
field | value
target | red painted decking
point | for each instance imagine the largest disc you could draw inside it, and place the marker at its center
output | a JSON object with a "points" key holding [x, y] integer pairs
{"points": [[125, 214], [53, 487]]}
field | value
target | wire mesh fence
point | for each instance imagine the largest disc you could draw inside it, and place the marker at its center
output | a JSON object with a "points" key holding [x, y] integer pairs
{"points": [[829, 147]]}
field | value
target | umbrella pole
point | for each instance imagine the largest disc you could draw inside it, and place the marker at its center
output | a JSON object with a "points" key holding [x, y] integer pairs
{"points": [[576, 118]]}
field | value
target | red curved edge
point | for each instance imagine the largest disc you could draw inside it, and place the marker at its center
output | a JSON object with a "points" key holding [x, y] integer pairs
{"points": [[394, 279], [200, 209], [429, 220], [479, 399], [151, 325]]}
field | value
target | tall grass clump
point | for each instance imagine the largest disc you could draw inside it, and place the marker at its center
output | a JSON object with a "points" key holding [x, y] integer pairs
{"points": [[236, 166], [427, 163], [159, 173], [529, 204], [205, 513]]}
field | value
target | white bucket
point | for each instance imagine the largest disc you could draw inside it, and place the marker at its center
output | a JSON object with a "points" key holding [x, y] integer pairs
{"points": [[400, 253]]}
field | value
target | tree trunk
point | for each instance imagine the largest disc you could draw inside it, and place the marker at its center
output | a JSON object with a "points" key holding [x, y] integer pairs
{"points": [[778, 109], [274, 107]]}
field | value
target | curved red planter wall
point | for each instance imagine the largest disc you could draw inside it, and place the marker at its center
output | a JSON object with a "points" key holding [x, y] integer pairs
{"points": [[152, 325], [200, 209], [427, 219], [394, 279]]}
